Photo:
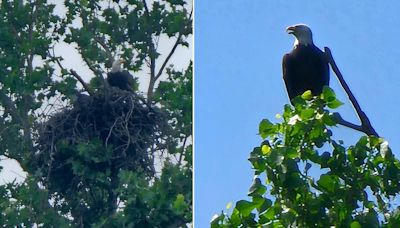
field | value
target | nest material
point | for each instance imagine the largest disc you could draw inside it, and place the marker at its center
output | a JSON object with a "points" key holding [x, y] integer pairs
{"points": [[105, 132]]}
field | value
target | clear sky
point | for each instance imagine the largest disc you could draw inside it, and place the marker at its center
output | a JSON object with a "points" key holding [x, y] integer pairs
{"points": [[239, 46]]}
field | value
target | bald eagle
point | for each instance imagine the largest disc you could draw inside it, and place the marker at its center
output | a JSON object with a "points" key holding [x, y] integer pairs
{"points": [[305, 67], [119, 78]]}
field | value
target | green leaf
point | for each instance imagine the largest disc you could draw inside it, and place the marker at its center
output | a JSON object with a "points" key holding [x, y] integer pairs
{"points": [[334, 104], [245, 207], [325, 157], [263, 219], [329, 119], [287, 112], [292, 153], [307, 113], [270, 213], [294, 181], [355, 224], [258, 201], [328, 95], [265, 149], [275, 158], [328, 182], [235, 218], [179, 204], [257, 188], [266, 128], [266, 204], [307, 95]]}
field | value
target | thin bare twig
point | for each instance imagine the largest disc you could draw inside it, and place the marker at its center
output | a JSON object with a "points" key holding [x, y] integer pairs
{"points": [[366, 126]]}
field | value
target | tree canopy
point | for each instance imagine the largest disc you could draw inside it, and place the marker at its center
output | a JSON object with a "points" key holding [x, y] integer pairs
{"points": [[304, 177], [87, 173]]}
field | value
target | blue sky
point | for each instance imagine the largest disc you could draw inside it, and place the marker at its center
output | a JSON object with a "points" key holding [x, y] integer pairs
{"points": [[238, 81]]}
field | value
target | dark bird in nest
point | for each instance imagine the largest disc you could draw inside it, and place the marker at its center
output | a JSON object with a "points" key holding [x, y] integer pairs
{"points": [[305, 67], [119, 78]]}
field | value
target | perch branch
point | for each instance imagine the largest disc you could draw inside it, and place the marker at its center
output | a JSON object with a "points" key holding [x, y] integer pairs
{"points": [[366, 126]]}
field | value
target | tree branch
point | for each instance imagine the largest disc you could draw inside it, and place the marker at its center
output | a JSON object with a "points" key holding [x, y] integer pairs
{"points": [[79, 78], [97, 72], [73, 73], [151, 54], [366, 126], [169, 56], [172, 51], [153, 76]]}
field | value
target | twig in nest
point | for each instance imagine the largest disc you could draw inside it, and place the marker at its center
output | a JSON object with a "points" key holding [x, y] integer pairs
{"points": [[366, 126]]}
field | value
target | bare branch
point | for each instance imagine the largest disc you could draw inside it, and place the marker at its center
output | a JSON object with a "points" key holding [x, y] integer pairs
{"points": [[97, 72], [178, 40], [366, 126], [79, 78], [151, 54], [73, 73], [183, 149], [145, 7], [346, 123], [169, 56], [153, 76]]}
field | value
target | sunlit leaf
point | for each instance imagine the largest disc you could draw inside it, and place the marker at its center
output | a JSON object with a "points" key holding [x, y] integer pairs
{"points": [[307, 95], [265, 149]]}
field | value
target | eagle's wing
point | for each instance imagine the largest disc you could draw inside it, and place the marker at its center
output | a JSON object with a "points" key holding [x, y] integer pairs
{"points": [[287, 69]]}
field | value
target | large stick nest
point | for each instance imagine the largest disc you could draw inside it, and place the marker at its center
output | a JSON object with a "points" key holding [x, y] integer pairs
{"points": [[105, 132]]}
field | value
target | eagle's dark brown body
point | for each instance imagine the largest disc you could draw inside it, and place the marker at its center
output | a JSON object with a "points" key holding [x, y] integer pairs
{"points": [[121, 79], [305, 68]]}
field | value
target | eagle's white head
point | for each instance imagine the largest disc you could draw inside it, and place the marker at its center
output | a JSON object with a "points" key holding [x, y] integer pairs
{"points": [[116, 67], [302, 34]]}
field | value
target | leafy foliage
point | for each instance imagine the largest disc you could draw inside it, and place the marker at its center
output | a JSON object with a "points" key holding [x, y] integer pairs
{"points": [[176, 96], [356, 184], [88, 189]]}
